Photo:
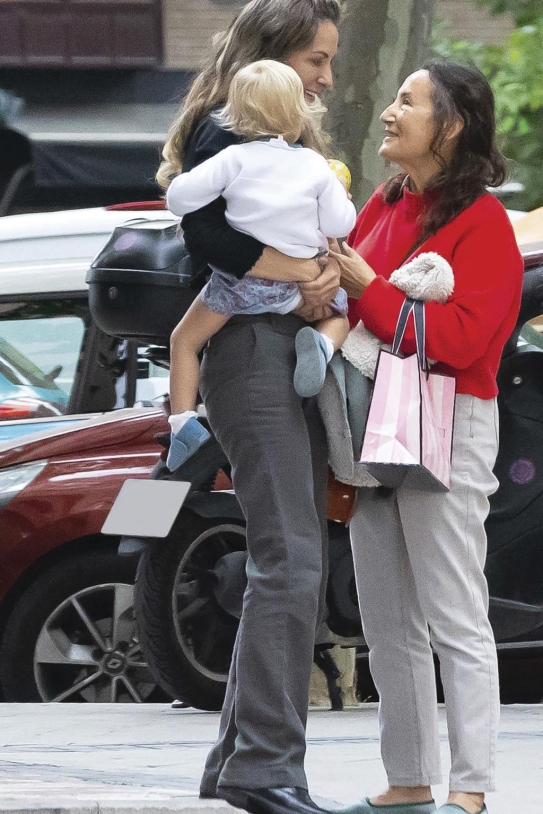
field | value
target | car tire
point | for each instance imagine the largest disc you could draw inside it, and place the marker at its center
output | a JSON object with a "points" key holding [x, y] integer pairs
{"points": [[48, 649], [186, 636]]}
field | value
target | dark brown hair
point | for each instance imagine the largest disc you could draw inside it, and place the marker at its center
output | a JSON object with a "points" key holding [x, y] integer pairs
{"points": [[458, 92]]}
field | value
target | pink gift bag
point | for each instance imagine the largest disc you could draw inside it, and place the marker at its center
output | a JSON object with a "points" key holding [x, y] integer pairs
{"points": [[408, 436]]}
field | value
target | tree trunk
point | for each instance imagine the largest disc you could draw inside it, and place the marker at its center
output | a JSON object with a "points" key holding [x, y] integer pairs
{"points": [[381, 42]]}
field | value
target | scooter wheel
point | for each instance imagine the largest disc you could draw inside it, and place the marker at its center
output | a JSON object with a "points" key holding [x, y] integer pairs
{"points": [[186, 636]]}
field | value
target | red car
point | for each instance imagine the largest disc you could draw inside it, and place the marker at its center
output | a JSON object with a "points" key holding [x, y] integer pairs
{"points": [[66, 623]]}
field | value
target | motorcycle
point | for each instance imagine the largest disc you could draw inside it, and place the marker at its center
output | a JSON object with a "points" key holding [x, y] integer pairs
{"points": [[190, 584]]}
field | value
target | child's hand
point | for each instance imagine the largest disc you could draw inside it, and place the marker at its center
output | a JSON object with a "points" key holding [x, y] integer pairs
{"points": [[343, 183], [342, 171]]}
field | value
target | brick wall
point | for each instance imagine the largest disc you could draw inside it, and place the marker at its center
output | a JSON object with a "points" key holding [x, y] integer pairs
{"points": [[469, 22], [189, 25]]}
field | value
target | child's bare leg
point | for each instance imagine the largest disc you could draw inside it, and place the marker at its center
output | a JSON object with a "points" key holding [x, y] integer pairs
{"points": [[197, 326], [334, 328], [314, 349], [187, 340]]}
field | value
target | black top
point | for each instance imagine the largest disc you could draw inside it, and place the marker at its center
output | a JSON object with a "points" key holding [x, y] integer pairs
{"points": [[208, 236]]}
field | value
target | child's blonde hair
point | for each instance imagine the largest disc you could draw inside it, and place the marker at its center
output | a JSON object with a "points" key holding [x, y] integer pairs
{"points": [[266, 98]]}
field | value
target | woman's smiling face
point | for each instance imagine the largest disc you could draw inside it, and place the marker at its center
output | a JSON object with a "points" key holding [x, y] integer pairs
{"points": [[314, 63], [409, 124]]}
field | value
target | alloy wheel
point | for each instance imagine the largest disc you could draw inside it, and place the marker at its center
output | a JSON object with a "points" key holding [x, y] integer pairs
{"points": [[88, 649]]}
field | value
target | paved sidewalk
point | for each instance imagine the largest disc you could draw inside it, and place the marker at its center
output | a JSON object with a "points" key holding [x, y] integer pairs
{"points": [[117, 759]]}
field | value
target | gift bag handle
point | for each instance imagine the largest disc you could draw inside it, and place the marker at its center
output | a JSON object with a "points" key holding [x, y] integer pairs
{"points": [[416, 307]]}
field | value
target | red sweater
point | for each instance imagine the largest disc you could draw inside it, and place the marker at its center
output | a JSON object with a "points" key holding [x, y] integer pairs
{"points": [[466, 334]]}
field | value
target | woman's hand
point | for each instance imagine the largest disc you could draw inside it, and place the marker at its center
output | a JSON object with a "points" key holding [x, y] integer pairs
{"points": [[356, 274], [322, 291], [274, 265], [313, 313], [317, 295], [318, 280]]}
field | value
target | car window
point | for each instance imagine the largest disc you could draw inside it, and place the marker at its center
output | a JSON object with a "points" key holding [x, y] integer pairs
{"points": [[151, 379], [50, 364], [40, 342], [18, 369], [532, 333]]}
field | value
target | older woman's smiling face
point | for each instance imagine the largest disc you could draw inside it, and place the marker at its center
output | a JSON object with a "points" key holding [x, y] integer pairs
{"points": [[409, 124]]}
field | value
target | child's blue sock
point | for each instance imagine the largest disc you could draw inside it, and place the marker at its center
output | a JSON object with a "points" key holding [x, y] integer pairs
{"points": [[311, 359], [185, 443]]}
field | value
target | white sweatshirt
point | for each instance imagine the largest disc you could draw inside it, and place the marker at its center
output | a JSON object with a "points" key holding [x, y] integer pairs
{"points": [[284, 195]]}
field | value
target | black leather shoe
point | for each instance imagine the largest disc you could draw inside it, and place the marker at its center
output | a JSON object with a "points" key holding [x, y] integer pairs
{"points": [[282, 800]]}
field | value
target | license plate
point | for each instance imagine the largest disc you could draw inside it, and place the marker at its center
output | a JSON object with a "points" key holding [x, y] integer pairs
{"points": [[146, 508]]}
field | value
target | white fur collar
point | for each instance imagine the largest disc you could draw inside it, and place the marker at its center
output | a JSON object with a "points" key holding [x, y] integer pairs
{"points": [[428, 277]]}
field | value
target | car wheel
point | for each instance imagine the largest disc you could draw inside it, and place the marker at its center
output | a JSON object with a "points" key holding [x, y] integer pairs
{"points": [[186, 635], [72, 637]]}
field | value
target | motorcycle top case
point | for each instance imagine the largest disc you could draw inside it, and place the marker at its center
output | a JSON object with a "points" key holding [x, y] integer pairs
{"points": [[140, 281]]}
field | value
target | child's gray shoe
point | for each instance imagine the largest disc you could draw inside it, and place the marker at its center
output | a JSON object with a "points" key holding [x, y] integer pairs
{"points": [[310, 362], [454, 808], [188, 440], [365, 807]]}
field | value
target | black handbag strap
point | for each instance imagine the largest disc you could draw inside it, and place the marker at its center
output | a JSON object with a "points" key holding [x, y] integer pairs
{"points": [[415, 307], [401, 325]]}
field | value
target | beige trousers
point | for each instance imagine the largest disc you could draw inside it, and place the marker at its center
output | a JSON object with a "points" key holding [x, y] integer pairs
{"points": [[419, 559]]}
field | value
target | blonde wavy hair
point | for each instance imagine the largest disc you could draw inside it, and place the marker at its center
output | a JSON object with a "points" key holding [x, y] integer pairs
{"points": [[266, 98], [263, 29]]}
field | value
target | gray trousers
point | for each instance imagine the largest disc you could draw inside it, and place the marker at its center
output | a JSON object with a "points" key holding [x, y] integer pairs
{"points": [[276, 444], [419, 559]]}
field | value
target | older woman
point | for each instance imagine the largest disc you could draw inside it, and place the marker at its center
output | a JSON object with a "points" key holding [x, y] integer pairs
{"points": [[419, 556]]}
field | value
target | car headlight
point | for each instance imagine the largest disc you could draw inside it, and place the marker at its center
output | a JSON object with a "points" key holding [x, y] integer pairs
{"points": [[16, 478]]}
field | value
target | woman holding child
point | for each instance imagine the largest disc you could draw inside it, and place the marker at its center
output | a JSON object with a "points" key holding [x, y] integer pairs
{"points": [[273, 437]]}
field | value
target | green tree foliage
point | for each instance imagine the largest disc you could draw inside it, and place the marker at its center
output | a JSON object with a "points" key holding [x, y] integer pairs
{"points": [[525, 12], [515, 72]]}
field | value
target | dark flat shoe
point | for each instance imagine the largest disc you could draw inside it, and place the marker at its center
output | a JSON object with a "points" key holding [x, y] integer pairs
{"points": [[281, 800]]}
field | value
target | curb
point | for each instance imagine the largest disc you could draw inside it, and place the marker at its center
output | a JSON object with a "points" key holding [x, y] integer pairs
{"points": [[66, 805]]}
